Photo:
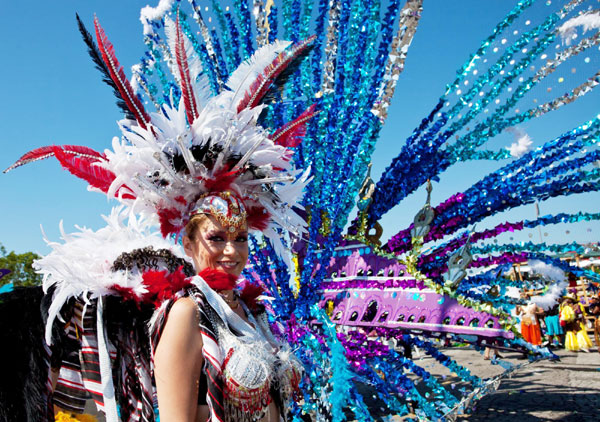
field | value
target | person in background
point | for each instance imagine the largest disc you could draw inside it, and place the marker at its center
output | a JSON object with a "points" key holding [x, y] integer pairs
{"points": [[530, 326], [554, 331], [572, 319], [594, 309]]}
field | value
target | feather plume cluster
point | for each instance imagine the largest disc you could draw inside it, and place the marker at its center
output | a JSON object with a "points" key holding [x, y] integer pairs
{"points": [[81, 266], [555, 274], [196, 143], [210, 143]]}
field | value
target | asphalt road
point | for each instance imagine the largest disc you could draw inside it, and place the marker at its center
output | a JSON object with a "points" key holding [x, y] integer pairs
{"points": [[568, 390]]}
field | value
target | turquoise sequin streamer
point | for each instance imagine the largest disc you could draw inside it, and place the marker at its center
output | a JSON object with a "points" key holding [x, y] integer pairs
{"points": [[244, 20], [229, 50]]}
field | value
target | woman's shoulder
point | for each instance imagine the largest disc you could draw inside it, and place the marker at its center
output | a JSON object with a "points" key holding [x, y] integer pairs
{"points": [[180, 310], [184, 308]]}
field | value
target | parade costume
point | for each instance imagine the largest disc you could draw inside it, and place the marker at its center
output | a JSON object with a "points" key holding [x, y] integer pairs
{"points": [[553, 321], [200, 154], [572, 318], [530, 327], [342, 299]]}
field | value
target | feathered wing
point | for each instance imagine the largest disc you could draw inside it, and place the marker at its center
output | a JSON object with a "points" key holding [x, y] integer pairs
{"points": [[113, 278]]}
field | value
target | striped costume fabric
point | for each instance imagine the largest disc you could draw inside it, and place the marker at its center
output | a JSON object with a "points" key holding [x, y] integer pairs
{"points": [[135, 379], [211, 351], [70, 393], [79, 376]]}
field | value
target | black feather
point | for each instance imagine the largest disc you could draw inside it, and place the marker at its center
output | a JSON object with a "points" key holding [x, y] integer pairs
{"points": [[101, 66], [271, 95]]}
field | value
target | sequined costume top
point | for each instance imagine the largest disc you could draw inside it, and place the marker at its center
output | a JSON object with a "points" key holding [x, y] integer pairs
{"points": [[245, 367]]}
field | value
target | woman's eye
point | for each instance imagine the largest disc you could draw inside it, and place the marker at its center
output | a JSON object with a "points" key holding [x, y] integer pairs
{"points": [[215, 238], [242, 239]]}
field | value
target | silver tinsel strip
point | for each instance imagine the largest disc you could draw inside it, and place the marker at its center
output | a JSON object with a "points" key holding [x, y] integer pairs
{"points": [[561, 57], [576, 93], [409, 20], [262, 24], [205, 33], [328, 84], [141, 81]]}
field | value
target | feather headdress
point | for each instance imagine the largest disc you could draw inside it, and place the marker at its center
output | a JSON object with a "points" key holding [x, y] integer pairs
{"points": [[196, 143]]}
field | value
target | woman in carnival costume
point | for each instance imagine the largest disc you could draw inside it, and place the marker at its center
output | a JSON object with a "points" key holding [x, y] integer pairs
{"points": [[530, 324], [207, 172], [572, 318], [554, 331], [247, 374]]}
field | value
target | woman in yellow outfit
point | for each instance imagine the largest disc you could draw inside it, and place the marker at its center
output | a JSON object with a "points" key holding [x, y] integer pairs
{"points": [[572, 319]]}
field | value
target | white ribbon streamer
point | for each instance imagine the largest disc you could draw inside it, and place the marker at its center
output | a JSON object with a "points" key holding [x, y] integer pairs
{"points": [[108, 389]]}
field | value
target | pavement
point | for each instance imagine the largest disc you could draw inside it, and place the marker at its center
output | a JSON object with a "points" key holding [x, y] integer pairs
{"points": [[567, 390]]}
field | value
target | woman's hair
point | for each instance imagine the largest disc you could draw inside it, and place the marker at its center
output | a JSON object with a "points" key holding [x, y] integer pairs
{"points": [[148, 258], [191, 227]]}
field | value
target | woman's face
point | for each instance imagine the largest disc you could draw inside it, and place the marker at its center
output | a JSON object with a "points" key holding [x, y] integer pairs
{"points": [[212, 246]]}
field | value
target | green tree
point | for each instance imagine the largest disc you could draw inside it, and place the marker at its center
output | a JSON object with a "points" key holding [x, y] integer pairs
{"points": [[21, 271]]}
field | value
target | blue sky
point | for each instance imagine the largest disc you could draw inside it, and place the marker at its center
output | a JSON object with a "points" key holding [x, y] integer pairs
{"points": [[53, 95]]}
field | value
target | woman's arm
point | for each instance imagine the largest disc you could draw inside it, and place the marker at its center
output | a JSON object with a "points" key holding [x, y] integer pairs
{"points": [[178, 363]]}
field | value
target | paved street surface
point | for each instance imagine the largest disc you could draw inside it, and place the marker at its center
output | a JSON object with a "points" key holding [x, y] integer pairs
{"points": [[568, 390]]}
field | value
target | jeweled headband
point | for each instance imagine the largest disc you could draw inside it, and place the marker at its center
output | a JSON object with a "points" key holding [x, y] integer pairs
{"points": [[226, 207]]}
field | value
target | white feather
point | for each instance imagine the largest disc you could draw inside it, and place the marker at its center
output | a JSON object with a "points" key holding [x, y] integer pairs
{"points": [[247, 72], [553, 273], [81, 265], [587, 21]]}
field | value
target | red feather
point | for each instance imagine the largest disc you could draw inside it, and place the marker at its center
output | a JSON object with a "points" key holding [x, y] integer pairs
{"points": [[290, 135], [162, 285], [79, 161], [47, 152], [165, 216], [35, 155], [221, 181], [257, 218], [250, 294], [118, 76], [263, 82], [187, 92], [85, 167], [83, 151], [126, 293], [218, 280]]}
